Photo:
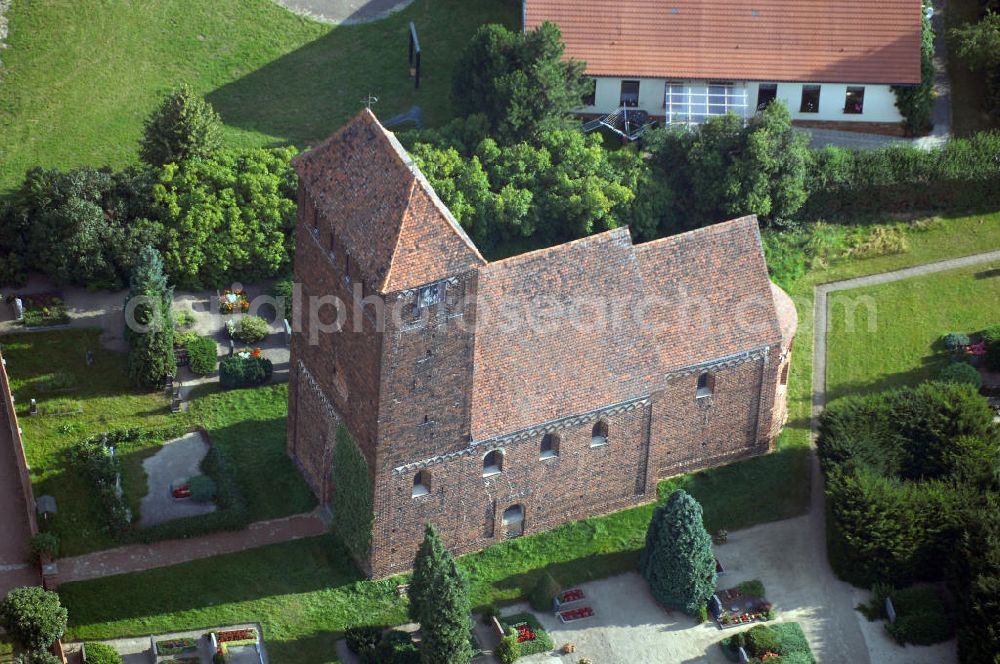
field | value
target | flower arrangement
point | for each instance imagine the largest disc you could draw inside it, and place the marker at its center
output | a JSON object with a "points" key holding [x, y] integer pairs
{"points": [[247, 353], [524, 632], [233, 301]]}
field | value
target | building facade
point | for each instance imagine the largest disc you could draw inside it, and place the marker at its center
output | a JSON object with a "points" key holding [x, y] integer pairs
{"points": [[831, 64], [495, 399]]}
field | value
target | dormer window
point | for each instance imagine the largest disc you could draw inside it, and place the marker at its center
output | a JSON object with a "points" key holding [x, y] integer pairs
{"points": [[493, 463], [549, 448], [421, 484], [430, 295], [706, 384], [599, 434]]}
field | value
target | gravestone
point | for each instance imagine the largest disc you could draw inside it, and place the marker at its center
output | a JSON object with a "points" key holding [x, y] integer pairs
{"points": [[34, 407], [18, 309], [90, 358], [890, 610], [744, 658], [288, 333]]}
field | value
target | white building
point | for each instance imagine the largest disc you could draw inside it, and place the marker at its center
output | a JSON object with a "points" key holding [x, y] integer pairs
{"points": [[684, 60]]}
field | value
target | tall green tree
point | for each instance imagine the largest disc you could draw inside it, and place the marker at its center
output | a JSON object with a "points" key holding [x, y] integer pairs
{"points": [[184, 126], [519, 81], [678, 563], [149, 327], [33, 616], [439, 601], [916, 102], [228, 216], [726, 168]]}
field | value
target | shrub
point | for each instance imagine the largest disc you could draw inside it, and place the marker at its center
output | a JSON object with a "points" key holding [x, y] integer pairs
{"points": [[236, 371], [991, 336], [542, 641], [202, 488], [508, 650], [922, 628], [101, 653], [752, 588], [33, 616], [880, 241], [184, 126], [183, 318], [203, 355], [37, 657], [396, 647], [94, 460], [955, 341], [916, 102], [251, 329], [963, 373], [762, 639], [150, 333], [545, 590], [362, 639], [282, 292], [678, 562], [45, 544]]}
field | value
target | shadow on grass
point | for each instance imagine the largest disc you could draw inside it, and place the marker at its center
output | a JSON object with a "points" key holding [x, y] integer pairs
{"points": [[931, 365], [305, 95], [301, 566]]}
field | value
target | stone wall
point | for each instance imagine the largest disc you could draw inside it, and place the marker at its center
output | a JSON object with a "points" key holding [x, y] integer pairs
{"points": [[11, 434]]}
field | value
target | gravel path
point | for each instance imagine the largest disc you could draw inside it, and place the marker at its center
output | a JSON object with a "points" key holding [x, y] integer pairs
{"points": [[138, 557]]}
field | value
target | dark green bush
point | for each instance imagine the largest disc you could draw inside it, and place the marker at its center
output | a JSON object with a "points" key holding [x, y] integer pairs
{"points": [[761, 639], [184, 126], [508, 650], [397, 647], [37, 657], [363, 638], [202, 488], [203, 355], [101, 653], [45, 544], [921, 629], [251, 329], [963, 373], [544, 591], [992, 338], [283, 291], [33, 616], [954, 341], [236, 371]]}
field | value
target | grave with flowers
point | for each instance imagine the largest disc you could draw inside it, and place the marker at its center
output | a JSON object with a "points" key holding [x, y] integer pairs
{"points": [[531, 636]]}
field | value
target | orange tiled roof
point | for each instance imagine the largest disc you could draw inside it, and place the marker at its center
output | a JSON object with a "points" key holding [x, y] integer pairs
{"points": [[836, 41], [394, 227]]}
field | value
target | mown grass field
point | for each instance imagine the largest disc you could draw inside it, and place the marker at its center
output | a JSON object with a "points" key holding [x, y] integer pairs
{"points": [[887, 336], [248, 425], [79, 78]]}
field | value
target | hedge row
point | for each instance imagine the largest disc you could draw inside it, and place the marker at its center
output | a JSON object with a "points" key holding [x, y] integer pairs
{"points": [[238, 371], [845, 183]]}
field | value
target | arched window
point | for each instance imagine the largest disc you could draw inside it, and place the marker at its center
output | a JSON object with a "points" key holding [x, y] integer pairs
{"points": [[421, 483], [549, 447], [513, 521], [706, 383], [492, 463], [599, 434]]}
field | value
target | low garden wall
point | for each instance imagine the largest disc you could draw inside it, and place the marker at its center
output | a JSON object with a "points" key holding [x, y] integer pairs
{"points": [[12, 433]]}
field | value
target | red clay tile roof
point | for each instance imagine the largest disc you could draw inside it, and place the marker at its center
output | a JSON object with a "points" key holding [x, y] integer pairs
{"points": [[387, 216], [548, 341], [836, 41], [613, 320]]}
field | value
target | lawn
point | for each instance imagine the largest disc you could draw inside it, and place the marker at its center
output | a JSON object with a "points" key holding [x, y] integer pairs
{"points": [[885, 336], [80, 77], [247, 425]]}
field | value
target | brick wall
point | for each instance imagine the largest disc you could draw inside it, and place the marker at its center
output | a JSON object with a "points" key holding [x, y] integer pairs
{"points": [[11, 434], [467, 508]]}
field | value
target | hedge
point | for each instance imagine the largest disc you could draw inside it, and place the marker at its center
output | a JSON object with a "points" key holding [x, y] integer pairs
{"points": [[542, 641], [991, 336], [249, 329], [961, 372], [850, 183], [237, 371], [921, 617], [785, 638], [203, 355], [101, 653]]}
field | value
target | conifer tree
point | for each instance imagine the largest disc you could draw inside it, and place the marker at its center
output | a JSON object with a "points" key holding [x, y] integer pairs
{"points": [[183, 127], [149, 327], [439, 601], [678, 562]]}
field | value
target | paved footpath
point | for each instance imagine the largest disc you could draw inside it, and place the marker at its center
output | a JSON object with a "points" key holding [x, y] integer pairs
{"points": [[845, 635], [138, 557]]}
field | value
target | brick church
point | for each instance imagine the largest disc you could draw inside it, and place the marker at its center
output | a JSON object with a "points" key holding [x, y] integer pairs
{"points": [[496, 399]]}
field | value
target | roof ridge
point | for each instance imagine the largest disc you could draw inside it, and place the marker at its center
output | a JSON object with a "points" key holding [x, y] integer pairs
{"points": [[701, 230], [593, 238], [399, 236]]}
